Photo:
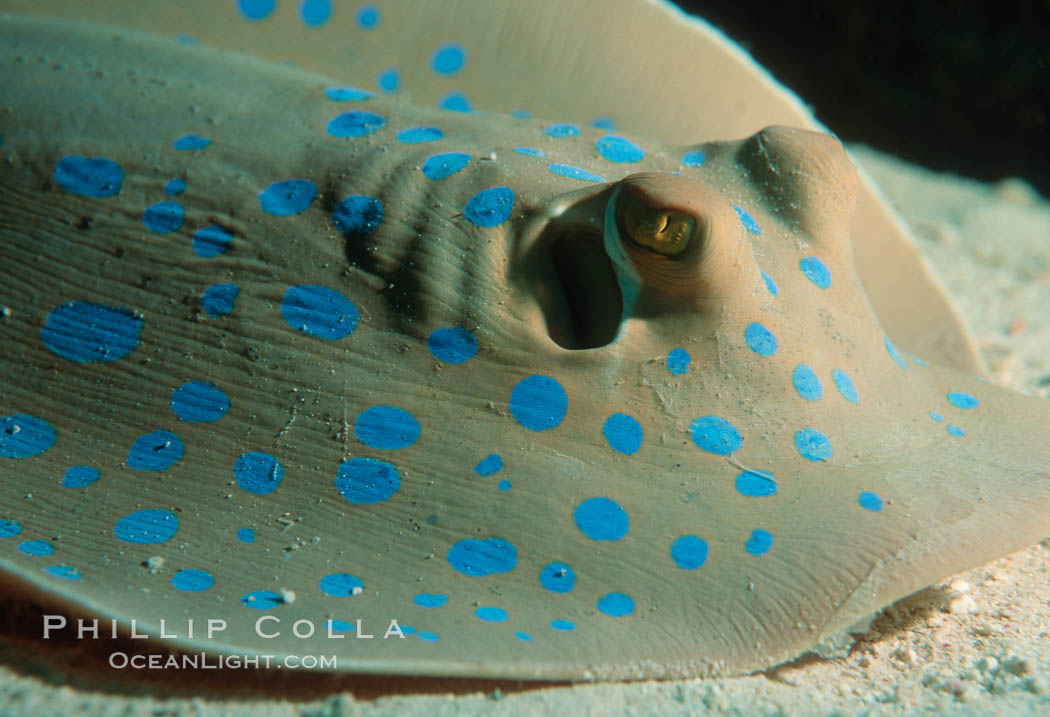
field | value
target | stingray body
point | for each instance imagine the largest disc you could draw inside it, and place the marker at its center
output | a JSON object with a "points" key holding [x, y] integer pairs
{"points": [[518, 397]]}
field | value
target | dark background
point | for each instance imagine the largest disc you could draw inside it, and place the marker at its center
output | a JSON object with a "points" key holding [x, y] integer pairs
{"points": [[954, 85]]}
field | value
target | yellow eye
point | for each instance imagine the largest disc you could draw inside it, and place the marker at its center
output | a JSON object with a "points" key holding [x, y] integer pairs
{"points": [[664, 231]]}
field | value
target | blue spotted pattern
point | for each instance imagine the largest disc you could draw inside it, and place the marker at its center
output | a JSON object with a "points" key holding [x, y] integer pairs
{"points": [[319, 311], [689, 552], [807, 383], [146, 527], [558, 578], [619, 150], [388, 80], [85, 332], [452, 345], [571, 172], [895, 354], [430, 600], [489, 465], [756, 483], [341, 585], [347, 94], [368, 16], [846, 388], [530, 151], [387, 428], [695, 158], [448, 59], [212, 241], [418, 135], [561, 130], [623, 432], [355, 124], [678, 361], [65, 572], [771, 286], [358, 214], [164, 217], [816, 271], [491, 614], [156, 451], [601, 518], [192, 580], [477, 558], [813, 445], [715, 435], [219, 299], [287, 197], [315, 12], [956, 431], [9, 528], [563, 625], [258, 473], [752, 226], [175, 187], [25, 436], [80, 476], [199, 402], [760, 542], [964, 401], [36, 548], [871, 501], [444, 165], [455, 102], [367, 480], [760, 339], [490, 207], [256, 9], [261, 600], [89, 177], [616, 605], [538, 403], [191, 142]]}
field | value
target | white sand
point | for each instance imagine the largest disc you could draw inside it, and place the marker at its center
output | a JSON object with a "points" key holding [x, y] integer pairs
{"points": [[978, 645]]}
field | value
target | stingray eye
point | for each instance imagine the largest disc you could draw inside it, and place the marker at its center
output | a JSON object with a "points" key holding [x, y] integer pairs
{"points": [[667, 232]]}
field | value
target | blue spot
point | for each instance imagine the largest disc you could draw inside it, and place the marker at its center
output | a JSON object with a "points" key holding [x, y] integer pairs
{"points": [[455, 102], [218, 299], [538, 403], [387, 428], [357, 214], [806, 383], [355, 124], [603, 123], [491, 614], [262, 600], [689, 552], [813, 444], [760, 542], [428, 636], [417, 135], [623, 433], [289, 197], [246, 535], [895, 354], [562, 130], [315, 12], [520, 114], [488, 466], [490, 207], [199, 402], [256, 9], [756, 483], [694, 158], [870, 501], [530, 151], [678, 361], [175, 187], [9, 529], [956, 431], [771, 285], [715, 435], [504, 485], [341, 585], [191, 142], [523, 636], [347, 94], [80, 476], [36, 548], [936, 416], [748, 221], [476, 558], [619, 149], [258, 473], [164, 217], [616, 605], [98, 177], [964, 401], [816, 271], [558, 578], [845, 386], [147, 526], [388, 80], [367, 480], [601, 518], [25, 436], [452, 345], [83, 332], [344, 626], [575, 173], [156, 451], [211, 241], [440, 166], [430, 600], [192, 581], [319, 311], [918, 361], [563, 625], [448, 59], [760, 339], [367, 16], [63, 571]]}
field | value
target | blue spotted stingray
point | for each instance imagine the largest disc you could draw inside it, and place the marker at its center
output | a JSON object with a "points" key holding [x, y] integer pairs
{"points": [[518, 395]]}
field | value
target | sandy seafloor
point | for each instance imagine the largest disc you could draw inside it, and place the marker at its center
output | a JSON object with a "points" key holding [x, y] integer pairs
{"points": [[978, 644]]}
